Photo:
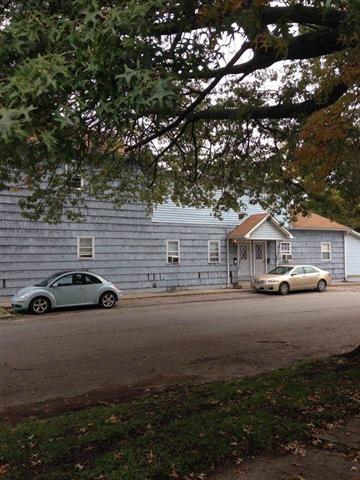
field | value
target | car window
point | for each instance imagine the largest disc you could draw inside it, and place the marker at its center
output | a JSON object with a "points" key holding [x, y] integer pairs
{"points": [[280, 270], [310, 270], [298, 271], [71, 279], [90, 279], [65, 281], [48, 280], [78, 279]]}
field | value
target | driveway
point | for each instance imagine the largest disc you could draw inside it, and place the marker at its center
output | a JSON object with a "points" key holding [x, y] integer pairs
{"points": [[159, 342]]}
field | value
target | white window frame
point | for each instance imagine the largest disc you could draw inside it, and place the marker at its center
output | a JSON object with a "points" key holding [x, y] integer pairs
{"points": [[172, 256], [74, 177], [288, 252], [218, 251], [325, 248], [79, 256]]}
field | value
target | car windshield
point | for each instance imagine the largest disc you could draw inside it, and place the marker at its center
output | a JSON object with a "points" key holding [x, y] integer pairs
{"points": [[48, 280], [281, 270]]}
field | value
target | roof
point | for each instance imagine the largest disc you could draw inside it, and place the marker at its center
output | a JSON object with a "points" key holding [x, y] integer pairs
{"points": [[248, 226], [317, 222]]}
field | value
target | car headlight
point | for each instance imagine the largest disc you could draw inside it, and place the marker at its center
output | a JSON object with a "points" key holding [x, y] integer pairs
{"points": [[271, 281], [23, 296]]}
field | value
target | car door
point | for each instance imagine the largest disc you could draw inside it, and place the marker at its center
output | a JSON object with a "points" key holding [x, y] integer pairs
{"points": [[92, 286], [298, 279], [312, 277], [69, 290]]}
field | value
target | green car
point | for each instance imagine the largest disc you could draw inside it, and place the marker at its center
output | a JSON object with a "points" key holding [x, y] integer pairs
{"points": [[67, 289]]}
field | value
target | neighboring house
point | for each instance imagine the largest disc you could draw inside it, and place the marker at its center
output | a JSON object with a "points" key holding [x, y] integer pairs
{"points": [[328, 245], [168, 246]]}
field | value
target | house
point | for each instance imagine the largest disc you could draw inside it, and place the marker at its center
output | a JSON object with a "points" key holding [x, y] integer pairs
{"points": [[168, 246]]}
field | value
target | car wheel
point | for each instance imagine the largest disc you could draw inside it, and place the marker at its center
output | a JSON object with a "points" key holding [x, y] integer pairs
{"points": [[107, 300], [321, 286], [284, 288], [39, 305]]}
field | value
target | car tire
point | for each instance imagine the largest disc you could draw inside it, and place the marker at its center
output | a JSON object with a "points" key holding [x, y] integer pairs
{"points": [[108, 300], [39, 305], [321, 286], [284, 288]]}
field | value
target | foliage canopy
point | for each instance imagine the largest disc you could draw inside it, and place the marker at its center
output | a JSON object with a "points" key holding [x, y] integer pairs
{"points": [[148, 99]]}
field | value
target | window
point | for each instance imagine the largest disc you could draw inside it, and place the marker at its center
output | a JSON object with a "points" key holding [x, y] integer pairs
{"points": [[259, 251], [298, 271], [214, 251], [173, 251], [75, 180], [310, 270], [65, 281], [243, 251], [90, 279], [325, 251], [285, 250], [86, 247]]}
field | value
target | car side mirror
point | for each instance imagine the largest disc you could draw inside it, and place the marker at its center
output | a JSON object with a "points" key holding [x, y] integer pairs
{"points": [[293, 274], [54, 285]]}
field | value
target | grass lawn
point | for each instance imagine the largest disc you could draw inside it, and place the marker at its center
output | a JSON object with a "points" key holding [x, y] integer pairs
{"points": [[185, 432]]}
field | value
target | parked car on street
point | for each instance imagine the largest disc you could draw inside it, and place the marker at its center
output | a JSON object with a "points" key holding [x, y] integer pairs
{"points": [[67, 289], [286, 278]]}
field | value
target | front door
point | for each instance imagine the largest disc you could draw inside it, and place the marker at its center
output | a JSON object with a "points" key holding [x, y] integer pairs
{"points": [[259, 258], [244, 260]]}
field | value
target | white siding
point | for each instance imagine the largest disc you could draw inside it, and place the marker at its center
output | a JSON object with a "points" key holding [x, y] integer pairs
{"points": [[352, 257], [267, 231], [171, 213]]}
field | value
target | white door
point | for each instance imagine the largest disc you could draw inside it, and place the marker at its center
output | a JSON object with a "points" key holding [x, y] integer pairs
{"points": [[244, 260], [259, 258], [352, 257]]}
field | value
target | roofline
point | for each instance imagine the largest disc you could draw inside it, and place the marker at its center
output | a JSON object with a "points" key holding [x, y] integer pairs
{"points": [[258, 224], [354, 233], [322, 228], [273, 220]]}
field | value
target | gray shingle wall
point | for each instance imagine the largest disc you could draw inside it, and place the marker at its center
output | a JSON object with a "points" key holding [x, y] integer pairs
{"points": [[130, 249], [306, 248]]}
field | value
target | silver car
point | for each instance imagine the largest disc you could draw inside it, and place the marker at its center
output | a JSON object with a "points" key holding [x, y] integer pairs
{"points": [[67, 289]]}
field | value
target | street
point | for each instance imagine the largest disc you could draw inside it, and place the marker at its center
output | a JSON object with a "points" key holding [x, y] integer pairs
{"points": [[158, 342]]}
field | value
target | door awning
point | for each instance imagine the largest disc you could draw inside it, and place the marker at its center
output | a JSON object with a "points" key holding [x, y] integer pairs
{"points": [[261, 226]]}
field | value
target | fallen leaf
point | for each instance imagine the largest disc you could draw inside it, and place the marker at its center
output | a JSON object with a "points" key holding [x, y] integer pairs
{"points": [[4, 468]]}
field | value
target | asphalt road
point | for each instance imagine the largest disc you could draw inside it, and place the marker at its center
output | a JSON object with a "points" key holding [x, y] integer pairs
{"points": [[165, 341]]}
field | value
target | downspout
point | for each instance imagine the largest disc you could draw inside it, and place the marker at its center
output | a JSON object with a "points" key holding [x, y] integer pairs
{"points": [[228, 260], [345, 266]]}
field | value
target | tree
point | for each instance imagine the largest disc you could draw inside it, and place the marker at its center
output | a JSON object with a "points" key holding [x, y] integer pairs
{"points": [[151, 99]]}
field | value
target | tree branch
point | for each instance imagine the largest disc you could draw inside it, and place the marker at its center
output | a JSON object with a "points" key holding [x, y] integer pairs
{"points": [[326, 17], [183, 115], [302, 47], [275, 112]]}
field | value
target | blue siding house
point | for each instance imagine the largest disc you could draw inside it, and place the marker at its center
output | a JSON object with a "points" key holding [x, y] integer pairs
{"points": [[168, 246]]}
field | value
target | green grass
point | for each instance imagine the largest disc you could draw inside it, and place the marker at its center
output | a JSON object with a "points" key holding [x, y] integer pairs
{"points": [[185, 431]]}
